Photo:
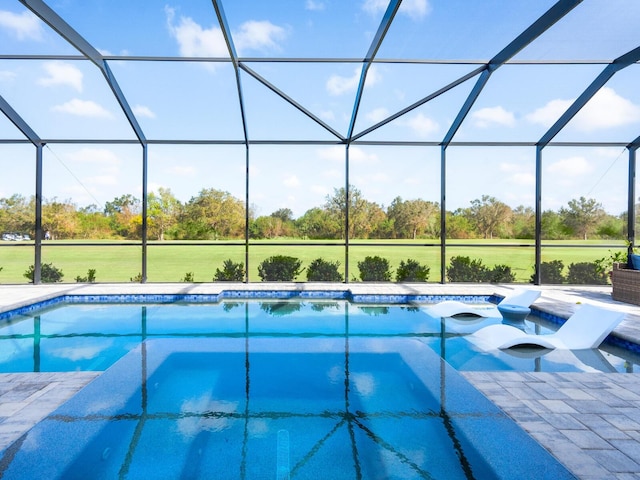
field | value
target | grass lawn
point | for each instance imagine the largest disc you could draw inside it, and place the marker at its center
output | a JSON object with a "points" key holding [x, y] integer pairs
{"points": [[170, 263]]}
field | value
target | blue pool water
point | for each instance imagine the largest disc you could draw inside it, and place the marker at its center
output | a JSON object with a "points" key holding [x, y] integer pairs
{"points": [[91, 336], [253, 407]]}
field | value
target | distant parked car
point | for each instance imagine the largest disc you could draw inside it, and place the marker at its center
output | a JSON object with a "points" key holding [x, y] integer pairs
{"points": [[10, 237], [25, 237]]}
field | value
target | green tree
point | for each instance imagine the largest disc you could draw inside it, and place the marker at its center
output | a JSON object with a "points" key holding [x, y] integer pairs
{"points": [[59, 218], [17, 214], [459, 225], [213, 214], [163, 210], [582, 216], [92, 223], [124, 214], [489, 215], [552, 226], [363, 215], [318, 223], [413, 218], [523, 222]]}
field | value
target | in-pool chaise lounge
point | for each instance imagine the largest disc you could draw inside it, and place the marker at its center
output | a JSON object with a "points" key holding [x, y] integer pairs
{"points": [[522, 297], [586, 328]]}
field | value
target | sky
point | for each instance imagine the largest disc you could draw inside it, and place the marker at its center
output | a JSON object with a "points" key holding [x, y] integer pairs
{"points": [[190, 101]]}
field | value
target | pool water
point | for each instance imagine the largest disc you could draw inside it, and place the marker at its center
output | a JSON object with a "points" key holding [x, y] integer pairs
{"points": [[93, 336], [260, 407]]}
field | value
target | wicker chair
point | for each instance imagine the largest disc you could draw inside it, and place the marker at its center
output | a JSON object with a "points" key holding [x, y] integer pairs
{"points": [[626, 284]]}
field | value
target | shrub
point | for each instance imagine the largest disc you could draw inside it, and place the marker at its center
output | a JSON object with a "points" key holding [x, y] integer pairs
{"points": [[320, 270], [463, 269], [374, 269], [231, 272], [501, 274], [137, 278], [188, 277], [586, 273], [279, 268], [48, 273], [90, 278], [550, 272], [412, 271]]}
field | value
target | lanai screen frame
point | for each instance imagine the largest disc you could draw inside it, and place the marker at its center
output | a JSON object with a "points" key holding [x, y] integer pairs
{"points": [[483, 73]]}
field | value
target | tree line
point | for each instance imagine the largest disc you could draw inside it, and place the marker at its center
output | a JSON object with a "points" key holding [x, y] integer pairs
{"points": [[217, 215]]}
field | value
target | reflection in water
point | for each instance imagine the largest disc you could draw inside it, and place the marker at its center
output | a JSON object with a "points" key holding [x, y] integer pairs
{"points": [[92, 337]]}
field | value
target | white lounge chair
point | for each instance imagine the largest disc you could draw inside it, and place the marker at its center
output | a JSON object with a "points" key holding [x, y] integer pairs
{"points": [[586, 328], [450, 308]]}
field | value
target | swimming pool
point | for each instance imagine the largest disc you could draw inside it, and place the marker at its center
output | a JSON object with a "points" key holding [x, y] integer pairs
{"points": [[92, 336], [266, 407]]}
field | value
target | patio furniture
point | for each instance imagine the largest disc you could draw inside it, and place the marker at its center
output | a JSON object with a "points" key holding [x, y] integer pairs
{"points": [[451, 308], [586, 328], [626, 284]]}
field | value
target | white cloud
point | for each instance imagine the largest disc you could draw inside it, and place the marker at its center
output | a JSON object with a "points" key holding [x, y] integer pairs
{"points": [[320, 190], [24, 26], [314, 5], [291, 181], [83, 108], [571, 166], [102, 180], [143, 111], [415, 9], [193, 40], [263, 35], [524, 179], [357, 155], [377, 115], [335, 153], [338, 154], [196, 41], [61, 73], [606, 109], [547, 115], [99, 156], [6, 76], [423, 126], [486, 117], [338, 85], [327, 115]]}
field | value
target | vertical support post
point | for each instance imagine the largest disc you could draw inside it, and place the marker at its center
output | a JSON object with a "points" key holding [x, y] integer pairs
{"points": [[443, 214], [346, 214], [145, 231], [538, 217], [246, 214], [631, 208], [37, 265]]}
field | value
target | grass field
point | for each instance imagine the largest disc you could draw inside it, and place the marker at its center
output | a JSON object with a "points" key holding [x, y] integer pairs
{"points": [[170, 263]]}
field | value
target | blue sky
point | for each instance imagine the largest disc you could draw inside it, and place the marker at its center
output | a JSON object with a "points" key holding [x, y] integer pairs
{"points": [[69, 99]]}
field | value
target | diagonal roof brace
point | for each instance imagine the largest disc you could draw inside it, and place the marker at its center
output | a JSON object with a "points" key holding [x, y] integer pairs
{"points": [[609, 71], [290, 100], [226, 33], [51, 18], [18, 121], [541, 25], [385, 23]]}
